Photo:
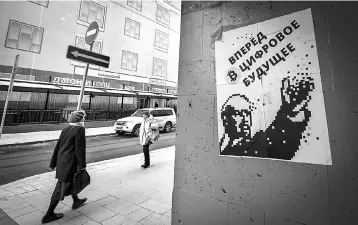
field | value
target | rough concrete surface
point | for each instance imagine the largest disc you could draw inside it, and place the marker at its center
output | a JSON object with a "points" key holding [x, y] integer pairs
{"points": [[209, 189]]}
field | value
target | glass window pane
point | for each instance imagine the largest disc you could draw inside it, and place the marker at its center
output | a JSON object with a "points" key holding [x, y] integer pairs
{"points": [[36, 36], [159, 67], [35, 48], [162, 14], [11, 43], [137, 4], [84, 10], [96, 47], [100, 15], [13, 34], [80, 42], [25, 37], [14, 30], [92, 12], [132, 28], [161, 40]]}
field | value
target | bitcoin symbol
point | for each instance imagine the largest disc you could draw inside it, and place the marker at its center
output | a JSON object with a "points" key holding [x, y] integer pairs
{"points": [[233, 75]]}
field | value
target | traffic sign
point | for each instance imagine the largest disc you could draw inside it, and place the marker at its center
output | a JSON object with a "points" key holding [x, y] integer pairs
{"points": [[92, 32], [82, 55]]}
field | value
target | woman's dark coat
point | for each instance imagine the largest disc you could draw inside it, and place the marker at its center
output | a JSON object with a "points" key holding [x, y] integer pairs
{"points": [[70, 153]]}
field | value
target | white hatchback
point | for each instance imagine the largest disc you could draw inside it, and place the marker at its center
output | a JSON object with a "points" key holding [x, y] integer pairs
{"points": [[165, 118]]}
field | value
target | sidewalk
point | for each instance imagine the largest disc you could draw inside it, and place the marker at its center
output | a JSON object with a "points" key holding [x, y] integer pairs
{"points": [[121, 192], [48, 132]]}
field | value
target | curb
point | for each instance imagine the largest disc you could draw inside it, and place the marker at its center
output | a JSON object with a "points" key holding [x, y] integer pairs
{"points": [[49, 140]]}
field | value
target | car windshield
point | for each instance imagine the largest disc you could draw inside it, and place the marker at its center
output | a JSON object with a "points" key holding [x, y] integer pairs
{"points": [[139, 113]]}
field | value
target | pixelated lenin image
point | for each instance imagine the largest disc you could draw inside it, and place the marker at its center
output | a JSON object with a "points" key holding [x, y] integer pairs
{"points": [[269, 93]]}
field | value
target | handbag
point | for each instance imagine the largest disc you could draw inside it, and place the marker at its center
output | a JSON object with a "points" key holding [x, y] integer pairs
{"points": [[155, 133], [80, 180]]}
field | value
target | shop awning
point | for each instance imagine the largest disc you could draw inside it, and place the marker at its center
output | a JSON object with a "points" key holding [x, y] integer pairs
{"points": [[147, 94], [66, 89], [169, 96], [38, 86], [120, 92], [27, 86]]}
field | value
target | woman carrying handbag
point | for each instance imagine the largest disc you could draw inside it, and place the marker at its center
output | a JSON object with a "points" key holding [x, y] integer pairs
{"points": [[68, 159], [148, 128]]}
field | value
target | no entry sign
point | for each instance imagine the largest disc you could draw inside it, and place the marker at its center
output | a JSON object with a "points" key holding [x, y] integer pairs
{"points": [[92, 32]]}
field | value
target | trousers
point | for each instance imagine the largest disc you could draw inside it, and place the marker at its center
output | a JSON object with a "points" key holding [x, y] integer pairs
{"points": [[146, 155]]}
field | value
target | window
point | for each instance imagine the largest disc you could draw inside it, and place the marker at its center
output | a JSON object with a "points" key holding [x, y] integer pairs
{"points": [[137, 4], [158, 113], [129, 61], [162, 15], [43, 3], [80, 42], [168, 112], [159, 68], [132, 28], [161, 40], [91, 11], [155, 113], [24, 37]]}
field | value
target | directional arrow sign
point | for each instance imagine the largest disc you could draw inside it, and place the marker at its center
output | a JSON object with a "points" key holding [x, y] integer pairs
{"points": [[82, 55]]}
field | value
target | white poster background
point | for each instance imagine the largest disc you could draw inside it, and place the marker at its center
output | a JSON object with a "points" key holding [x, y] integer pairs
{"points": [[266, 93]]}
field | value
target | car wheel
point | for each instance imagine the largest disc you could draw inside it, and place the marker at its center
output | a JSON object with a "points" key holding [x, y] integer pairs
{"points": [[135, 131], [168, 127]]}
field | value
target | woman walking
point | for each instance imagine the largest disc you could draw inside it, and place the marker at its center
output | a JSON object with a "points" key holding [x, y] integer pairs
{"points": [[68, 157], [145, 136]]}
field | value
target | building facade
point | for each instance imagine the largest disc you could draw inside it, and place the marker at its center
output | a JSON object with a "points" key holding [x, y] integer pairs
{"points": [[141, 38]]}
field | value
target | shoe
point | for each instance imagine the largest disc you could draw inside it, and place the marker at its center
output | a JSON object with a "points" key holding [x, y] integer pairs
{"points": [[51, 217], [78, 203], [145, 166]]}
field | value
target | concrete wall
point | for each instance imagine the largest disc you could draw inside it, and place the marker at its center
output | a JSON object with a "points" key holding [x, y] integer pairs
{"points": [[209, 189]]}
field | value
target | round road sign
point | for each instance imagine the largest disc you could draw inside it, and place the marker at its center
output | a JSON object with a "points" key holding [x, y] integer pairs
{"points": [[92, 32]]}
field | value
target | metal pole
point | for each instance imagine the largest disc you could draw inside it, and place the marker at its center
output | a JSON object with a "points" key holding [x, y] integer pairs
{"points": [[9, 90], [79, 105], [122, 97]]}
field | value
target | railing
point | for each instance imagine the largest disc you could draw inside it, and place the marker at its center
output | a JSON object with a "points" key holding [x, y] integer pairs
{"points": [[14, 117]]}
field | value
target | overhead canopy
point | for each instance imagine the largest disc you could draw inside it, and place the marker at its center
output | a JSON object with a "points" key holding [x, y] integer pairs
{"points": [[169, 96], [38, 86], [147, 94], [120, 92], [27, 87]]}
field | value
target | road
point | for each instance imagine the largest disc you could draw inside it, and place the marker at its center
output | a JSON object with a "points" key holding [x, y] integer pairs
{"points": [[27, 160]]}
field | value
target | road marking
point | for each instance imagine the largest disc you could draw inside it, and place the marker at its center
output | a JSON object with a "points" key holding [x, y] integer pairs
{"points": [[91, 32], [76, 54]]}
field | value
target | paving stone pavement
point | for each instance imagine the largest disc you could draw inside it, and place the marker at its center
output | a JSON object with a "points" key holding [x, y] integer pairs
{"points": [[120, 193]]}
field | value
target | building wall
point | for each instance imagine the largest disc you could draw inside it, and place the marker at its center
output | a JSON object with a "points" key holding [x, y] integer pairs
{"points": [[209, 189], [61, 25]]}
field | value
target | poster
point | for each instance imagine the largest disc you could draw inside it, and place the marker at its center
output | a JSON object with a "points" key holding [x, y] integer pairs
{"points": [[269, 92]]}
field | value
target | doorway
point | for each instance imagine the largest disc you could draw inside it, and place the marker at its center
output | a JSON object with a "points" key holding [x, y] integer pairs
{"points": [[141, 103]]}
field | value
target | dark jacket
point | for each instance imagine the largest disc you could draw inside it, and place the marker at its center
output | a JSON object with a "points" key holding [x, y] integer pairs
{"points": [[69, 154], [281, 140]]}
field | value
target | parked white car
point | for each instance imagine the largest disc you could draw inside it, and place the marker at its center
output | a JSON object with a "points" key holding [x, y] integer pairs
{"points": [[165, 118]]}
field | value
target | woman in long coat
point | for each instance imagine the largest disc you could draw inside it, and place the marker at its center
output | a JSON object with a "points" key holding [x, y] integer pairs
{"points": [[68, 157], [145, 136]]}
